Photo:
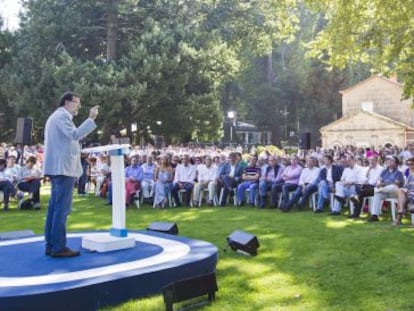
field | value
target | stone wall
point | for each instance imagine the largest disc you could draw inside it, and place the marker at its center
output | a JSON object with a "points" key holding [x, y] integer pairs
{"points": [[364, 130], [386, 98]]}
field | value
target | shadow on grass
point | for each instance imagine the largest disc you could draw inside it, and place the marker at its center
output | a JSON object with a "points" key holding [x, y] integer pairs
{"points": [[306, 261]]}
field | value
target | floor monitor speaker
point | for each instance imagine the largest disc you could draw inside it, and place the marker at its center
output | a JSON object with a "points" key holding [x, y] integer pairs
{"points": [[243, 241], [165, 227], [190, 288]]}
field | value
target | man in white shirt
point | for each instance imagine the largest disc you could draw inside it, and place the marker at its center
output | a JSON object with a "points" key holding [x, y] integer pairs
{"points": [[368, 180], [6, 184], [184, 177], [206, 175], [346, 186], [307, 185]]}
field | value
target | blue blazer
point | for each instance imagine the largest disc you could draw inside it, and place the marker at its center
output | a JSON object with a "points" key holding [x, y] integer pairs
{"points": [[225, 171], [62, 150], [336, 173]]}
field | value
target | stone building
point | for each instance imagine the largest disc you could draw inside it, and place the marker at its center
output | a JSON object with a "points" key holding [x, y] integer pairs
{"points": [[373, 114]]}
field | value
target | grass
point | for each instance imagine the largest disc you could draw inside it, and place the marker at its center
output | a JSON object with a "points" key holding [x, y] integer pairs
{"points": [[306, 261]]}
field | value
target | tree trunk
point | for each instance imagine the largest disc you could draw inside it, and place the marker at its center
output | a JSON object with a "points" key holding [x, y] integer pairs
{"points": [[112, 30], [270, 75]]}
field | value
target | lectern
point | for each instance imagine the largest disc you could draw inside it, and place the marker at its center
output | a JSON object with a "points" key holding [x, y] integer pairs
{"points": [[118, 235]]}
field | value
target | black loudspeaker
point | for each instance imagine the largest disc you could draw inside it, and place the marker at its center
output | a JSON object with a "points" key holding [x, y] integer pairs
{"points": [[165, 227], [305, 141], [190, 288], [243, 241], [24, 131]]}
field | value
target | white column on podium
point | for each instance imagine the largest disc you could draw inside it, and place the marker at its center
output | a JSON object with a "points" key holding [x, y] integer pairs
{"points": [[118, 237], [118, 193]]}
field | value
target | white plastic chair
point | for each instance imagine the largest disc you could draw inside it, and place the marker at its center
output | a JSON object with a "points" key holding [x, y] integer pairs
{"points": [[206, 191], [234, 197]]}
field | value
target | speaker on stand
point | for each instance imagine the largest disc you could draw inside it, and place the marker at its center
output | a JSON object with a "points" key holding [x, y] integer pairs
{"points": [[24, 129], [305, 141]]}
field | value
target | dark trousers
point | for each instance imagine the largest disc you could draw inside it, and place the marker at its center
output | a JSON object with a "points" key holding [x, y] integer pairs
{"points": [[32, 187], [301, 195], [228, 185], [82, 183], [286, 189], [362, 192], [275, 190], [8, 190], [184, 185]]}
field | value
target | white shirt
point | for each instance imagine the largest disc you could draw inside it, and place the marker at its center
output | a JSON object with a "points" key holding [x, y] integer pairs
{"points": [[206, 173], [232, 170], [309, 175], [5, 176], [329, 174], [371, 175], [351, 175], [185, 173]]}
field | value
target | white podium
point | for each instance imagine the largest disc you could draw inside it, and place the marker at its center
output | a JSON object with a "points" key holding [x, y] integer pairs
{"points": [[118, 235]]}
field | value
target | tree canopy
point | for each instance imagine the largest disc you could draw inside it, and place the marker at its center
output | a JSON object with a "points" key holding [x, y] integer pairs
{"points": [[174, 67], [377, 32]]}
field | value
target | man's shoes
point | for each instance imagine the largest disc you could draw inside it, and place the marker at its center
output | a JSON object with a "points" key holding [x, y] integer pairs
{"points": [[340, 199], [6, 207], [66, 252], [36, 205], [210, 203], [353, 216], [373, 218], [333, 213], [318, 211]]}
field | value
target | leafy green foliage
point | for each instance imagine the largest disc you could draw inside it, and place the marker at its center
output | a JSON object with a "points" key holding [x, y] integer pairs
{"points": [[167, 69], [378, 32]]}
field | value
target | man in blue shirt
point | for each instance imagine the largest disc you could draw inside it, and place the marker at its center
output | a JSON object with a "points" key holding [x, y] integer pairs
{"points": [[388, 186]]}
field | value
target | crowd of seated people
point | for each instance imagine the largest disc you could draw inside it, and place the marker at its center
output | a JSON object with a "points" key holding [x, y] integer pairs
{"points": [[15, 180], [179, 175]]}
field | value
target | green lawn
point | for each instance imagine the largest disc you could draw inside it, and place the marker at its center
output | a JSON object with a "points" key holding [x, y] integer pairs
{"points": [[306, 261]]}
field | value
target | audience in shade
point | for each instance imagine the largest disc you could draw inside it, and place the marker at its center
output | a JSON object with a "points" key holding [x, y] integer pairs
{"points": [[184, 172]]}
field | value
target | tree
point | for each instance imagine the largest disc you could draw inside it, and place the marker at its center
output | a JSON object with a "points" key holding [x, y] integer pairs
{"points": [[142, 62], [7, 117], [377, 32]]}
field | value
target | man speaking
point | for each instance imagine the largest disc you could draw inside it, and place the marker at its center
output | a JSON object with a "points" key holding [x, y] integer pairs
{"points": [[62, 164]]}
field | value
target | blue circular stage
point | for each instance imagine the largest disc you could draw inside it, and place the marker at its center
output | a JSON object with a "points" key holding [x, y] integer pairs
{"points": [[29, 280]]}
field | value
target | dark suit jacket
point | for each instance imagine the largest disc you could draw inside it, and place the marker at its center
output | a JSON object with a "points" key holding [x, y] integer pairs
{"points": [[336, 173], [237, 172]]}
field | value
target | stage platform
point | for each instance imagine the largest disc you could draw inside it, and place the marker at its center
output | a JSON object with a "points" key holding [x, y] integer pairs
{"points": [[29, 280]]}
